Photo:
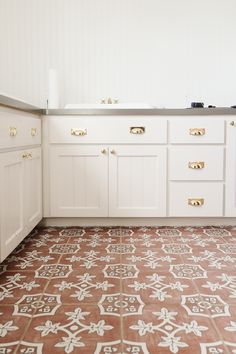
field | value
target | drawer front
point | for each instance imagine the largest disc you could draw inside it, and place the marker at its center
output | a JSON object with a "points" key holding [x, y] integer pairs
{"points": [[197, 131], [104, 130], [18, 130], [196, 163], [196, 199]]}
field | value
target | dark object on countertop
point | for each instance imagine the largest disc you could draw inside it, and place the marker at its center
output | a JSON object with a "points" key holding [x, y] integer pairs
{"points": [[210, 106], [233, 106], [197, 104]]}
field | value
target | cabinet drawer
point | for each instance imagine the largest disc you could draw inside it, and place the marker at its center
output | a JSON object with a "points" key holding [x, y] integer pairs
{"points": [[105, 130], [197, 163], [19, 130], [197, 131], [196, 199]]}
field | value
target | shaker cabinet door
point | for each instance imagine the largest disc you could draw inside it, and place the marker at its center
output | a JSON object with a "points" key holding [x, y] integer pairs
{"points": [[32, 189], [137, 181], [11, 201], [79, 181]]}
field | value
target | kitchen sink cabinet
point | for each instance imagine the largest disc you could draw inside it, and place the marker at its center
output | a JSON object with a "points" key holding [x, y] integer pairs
{"points": [[128, 166]]}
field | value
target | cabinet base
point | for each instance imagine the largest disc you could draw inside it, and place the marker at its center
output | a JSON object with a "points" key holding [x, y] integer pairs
{"points": [[137, 221]]}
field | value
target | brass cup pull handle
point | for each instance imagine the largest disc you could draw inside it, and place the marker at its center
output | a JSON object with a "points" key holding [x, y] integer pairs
{"points": [[137, 130], [26, 155], [12, 131], [196, 165], [78, 132], [197, 131], [196, 202], [33, 131], [113, 152], [104, 151]]}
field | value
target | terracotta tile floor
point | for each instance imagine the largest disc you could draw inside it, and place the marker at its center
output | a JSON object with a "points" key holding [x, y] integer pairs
{"points": [[121, 291]]}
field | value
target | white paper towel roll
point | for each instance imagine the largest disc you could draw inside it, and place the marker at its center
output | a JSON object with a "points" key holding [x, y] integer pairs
{"points": [[53, 90]]}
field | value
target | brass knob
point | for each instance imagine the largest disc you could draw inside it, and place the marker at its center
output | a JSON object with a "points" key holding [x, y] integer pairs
{"points": [[232, 123], [195, 202], [29, 156], [197, 131], [12, 131], [103, 151], [33, 131], [113, 152], [24, 156], [196, 165]]}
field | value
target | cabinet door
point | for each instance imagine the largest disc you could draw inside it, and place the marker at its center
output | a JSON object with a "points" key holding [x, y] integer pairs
{"points": [[11, 201], [230, 186], [79, 181], [137, 181], [32, 189]]}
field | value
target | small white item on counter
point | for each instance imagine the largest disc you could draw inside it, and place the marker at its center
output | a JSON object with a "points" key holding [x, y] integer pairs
{"points": [[53, 89]]}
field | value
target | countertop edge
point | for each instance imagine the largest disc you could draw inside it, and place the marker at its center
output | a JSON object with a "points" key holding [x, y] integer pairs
{"points": [[146, 112], [15, 103]]}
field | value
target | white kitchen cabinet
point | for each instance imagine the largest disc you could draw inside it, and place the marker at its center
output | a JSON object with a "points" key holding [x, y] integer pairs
{"points": [[21, 197], [79, 181], [137, 181], [12, 204]]}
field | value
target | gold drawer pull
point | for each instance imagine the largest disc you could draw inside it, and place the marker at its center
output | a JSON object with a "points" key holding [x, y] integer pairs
{"points": [[196, 165], [78, 132], [137, 130], [33, 131], [26, 155], [196, 202], [12, 131], [197, 131]]}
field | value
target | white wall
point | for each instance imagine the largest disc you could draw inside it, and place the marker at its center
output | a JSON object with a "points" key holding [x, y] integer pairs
{"points": [[166, 52]]}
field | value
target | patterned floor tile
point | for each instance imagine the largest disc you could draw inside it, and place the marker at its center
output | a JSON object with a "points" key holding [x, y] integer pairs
{"points": [[73, 327], [14, 285], [121, 290]]}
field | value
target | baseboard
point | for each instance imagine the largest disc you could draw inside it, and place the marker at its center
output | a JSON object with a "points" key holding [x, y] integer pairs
{"points": [[137, 221]]}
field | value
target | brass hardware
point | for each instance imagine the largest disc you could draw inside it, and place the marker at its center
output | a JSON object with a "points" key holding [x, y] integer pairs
{"points": [[103, 151], [232, 123], [78, 132], [197, 131], [196, 165], [109, 100], [26, 155], [113, 152], [196, 202], [12, 131], [33, 131], [137, 130]]}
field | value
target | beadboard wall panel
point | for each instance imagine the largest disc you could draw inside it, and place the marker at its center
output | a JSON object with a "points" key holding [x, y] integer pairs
{"points": [[165, 52]]}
